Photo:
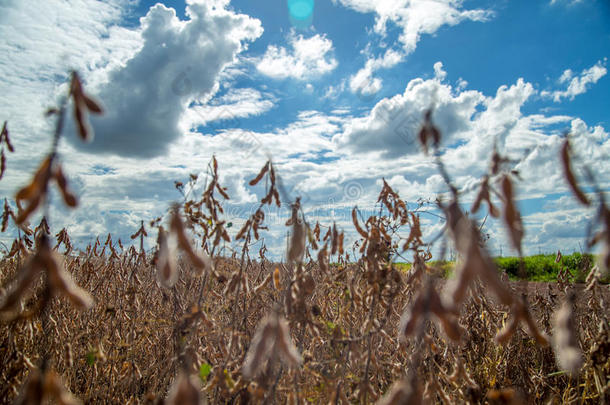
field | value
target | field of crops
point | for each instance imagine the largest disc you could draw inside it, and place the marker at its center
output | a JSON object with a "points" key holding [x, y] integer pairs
{"points": [[186, 325], [542, 267]]}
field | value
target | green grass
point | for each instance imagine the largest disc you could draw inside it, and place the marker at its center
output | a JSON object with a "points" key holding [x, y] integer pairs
{"points": [[544, 267], [537, 267]]}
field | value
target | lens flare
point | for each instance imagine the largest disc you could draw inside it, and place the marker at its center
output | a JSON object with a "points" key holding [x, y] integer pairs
{"points": [[301, 12]]}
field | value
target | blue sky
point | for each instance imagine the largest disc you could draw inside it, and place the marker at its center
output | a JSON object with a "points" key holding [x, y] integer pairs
{"points": [[335, 100]]}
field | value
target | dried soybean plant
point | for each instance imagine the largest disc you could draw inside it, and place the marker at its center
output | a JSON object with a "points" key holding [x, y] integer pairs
{"points": [[36, 193], [182, 218], [603, 212], [4, 140], [568, 348], [57, 281], [166, 254], [272, 337], [141, 234], [320, 327], [475, 264]]}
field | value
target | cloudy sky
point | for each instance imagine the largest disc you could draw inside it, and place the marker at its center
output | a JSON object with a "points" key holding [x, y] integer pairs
{"points": [[332, 90]]}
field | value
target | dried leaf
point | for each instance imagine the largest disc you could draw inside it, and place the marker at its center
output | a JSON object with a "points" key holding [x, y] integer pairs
{"points": [[260, 175], [222, 192], [84, 129], [567, 170], [62, 183], [261, 345], [93, 106], [428, 301], [54, 387], [2, 163], [296, 249], [565, 339], [34, 192], [429, 132], [323, 258], [357, 225], [264, 283], [166, 261], [4, 137], [242, 232], [33, 393], [276, 196], [520, 312], [284, 344], [82, 103], [201, 262], [62, 283], [40, 179], [185, 391], [21, 290], [484, 195], [24, 214], [512, 217], [6, 213], [334, 240], [403, 392]]}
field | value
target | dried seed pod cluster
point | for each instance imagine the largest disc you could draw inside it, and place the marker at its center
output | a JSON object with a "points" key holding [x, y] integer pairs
{"points": [[44, 386], [59, 281], [83, 103], [429, 133], [200, 261], [429, 302], [185, 391], [271, 341], [272, 193], [36, 191], [296, 248], [603, 213], [167, 273], [565, 339]]}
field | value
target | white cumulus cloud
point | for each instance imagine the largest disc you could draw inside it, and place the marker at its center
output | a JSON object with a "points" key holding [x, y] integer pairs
{"points": [[392, 125], [363, 83], [41, 43], [413, 18], [308, 58], [179, 62], [577, 84], [229, 108]]}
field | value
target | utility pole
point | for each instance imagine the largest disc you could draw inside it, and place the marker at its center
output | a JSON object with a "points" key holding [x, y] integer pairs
{"points": [[287, 246]]}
